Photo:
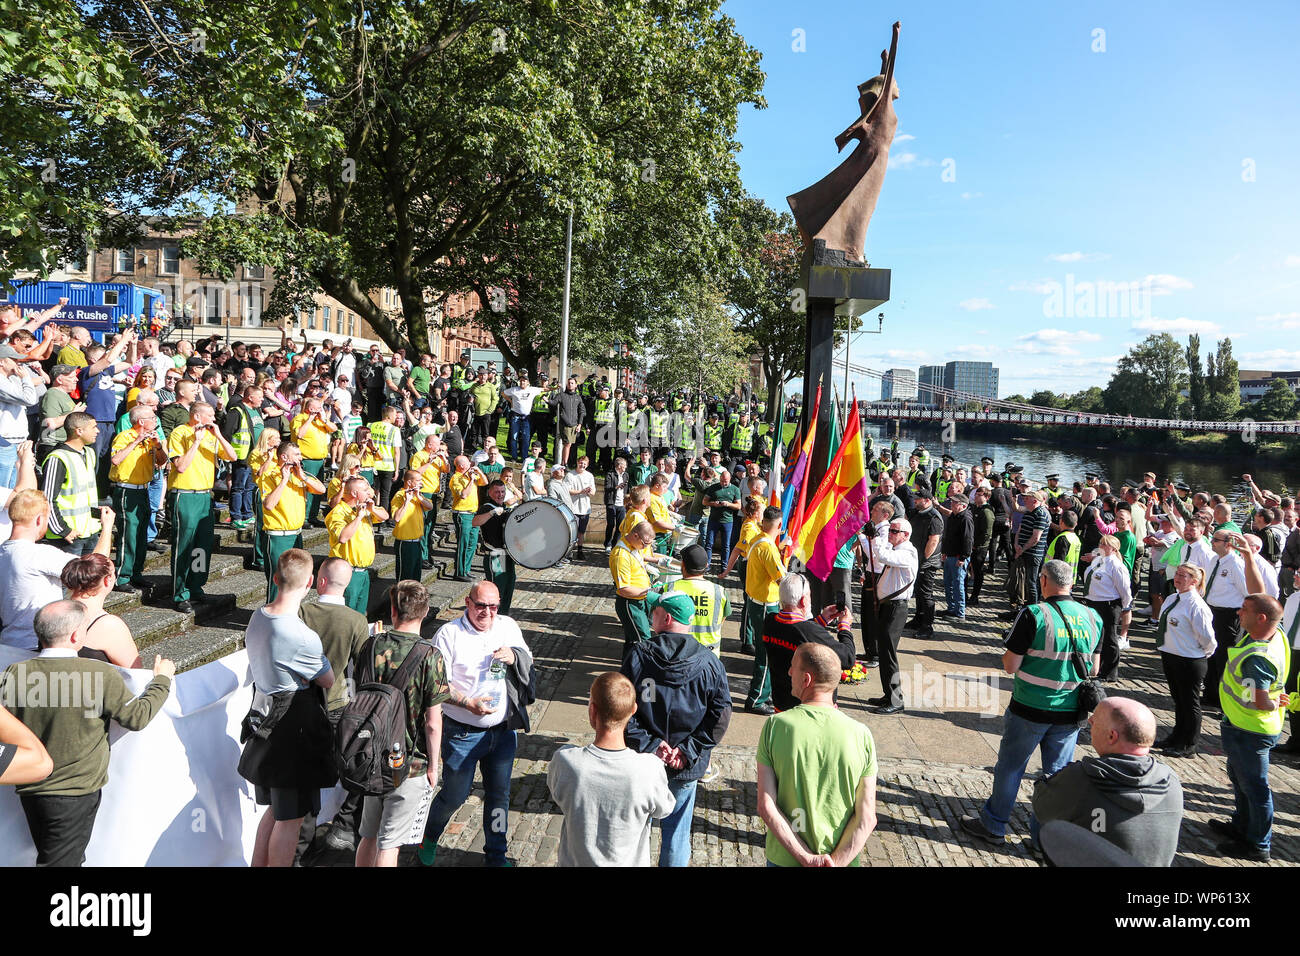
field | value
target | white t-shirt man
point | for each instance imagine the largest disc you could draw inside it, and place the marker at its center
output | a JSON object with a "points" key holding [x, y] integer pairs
{"points": [[29, 572], [580, 482], [521, 398], [468, 653]]}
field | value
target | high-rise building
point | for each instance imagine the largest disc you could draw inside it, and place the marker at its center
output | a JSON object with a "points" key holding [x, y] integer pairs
{"points": [[929, 375], [898, 383], [973, 378]]}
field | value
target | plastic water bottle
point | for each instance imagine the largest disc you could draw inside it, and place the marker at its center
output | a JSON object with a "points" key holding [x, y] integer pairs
{"points": [[497, 683], [396, 761]]}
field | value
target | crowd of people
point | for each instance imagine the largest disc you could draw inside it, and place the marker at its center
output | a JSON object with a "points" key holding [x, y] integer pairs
{"points": [[368, 445]]}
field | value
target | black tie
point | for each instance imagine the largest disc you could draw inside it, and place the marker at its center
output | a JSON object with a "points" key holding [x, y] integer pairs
{"points": [[1163, 626]]}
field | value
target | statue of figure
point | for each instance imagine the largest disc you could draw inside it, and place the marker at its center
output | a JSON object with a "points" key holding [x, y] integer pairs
{"points": [[833, 213]]}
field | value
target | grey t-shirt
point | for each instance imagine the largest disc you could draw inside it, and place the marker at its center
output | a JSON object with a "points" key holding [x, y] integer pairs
{"points": [[608, 798], [283, 652]]}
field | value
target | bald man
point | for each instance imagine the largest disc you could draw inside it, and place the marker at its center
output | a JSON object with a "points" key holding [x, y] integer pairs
{"points": [[1123, 794]]}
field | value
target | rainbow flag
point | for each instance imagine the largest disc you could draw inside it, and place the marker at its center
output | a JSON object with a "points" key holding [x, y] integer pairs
{"points": [[792, 505], [842, 503]]}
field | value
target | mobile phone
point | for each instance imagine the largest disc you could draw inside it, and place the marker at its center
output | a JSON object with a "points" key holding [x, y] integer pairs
{"points": [[841, 601]]}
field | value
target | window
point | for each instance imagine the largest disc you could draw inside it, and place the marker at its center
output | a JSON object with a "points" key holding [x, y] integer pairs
{"points": [[254, 272], [311, 319], [126, 260], [212, 305], [352, 325], [325, 326], [110, 297], [169, 261], [253, 302], [338, 323]]}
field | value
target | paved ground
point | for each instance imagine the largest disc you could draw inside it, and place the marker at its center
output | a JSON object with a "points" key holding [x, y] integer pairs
{"points": [[935, 759]]}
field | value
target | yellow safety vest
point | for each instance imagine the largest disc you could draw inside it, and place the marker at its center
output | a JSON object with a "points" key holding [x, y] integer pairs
{"points": [[387, 441], [78, 493], [742, 439], [1237, 698], [713, 437], [604, 411], [711, 608]]}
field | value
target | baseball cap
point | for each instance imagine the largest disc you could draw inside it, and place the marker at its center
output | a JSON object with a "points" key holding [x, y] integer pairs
{"points": [[197, 362], [679, 606], [695, 560]]}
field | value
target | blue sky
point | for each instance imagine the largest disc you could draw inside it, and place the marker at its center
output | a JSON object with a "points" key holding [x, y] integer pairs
{"points": [[1169, 162]]}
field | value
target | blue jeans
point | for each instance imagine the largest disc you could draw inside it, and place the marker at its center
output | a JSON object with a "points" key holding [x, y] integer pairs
{"points": [[241, 492], [954, 584], [155, 503], [521, 430], [1247, 754], [675, 829], [8, 463], [1055, 743], [493, 751]]}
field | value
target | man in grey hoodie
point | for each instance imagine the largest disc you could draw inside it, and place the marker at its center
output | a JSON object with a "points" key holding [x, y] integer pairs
{"points": [[1123, 794]]}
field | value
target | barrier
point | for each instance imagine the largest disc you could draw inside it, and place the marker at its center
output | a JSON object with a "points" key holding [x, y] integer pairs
{"points": [[174, 796]]}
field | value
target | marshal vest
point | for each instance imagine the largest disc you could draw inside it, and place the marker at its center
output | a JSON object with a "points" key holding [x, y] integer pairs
{"points": [[706, 625], [78, 493], [1237, 696], [387, 441], [248, 432], [1047, 678], [1073, 544]]}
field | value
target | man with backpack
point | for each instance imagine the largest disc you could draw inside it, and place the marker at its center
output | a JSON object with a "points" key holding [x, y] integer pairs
{"points": [[401, 661]]}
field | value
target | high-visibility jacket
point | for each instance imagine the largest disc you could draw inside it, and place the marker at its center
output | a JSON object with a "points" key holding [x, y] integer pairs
{"points": [[249, 431], [1237, 694], [1073, 546], [604, 414], [941, 489], [78, 494], [461, 377], [540, 403], [1054, 492], [711, 608], [658, 428], [1047, 678], [683, 431], [713, 437], [388, 442], [912, 476], [742, 438]]}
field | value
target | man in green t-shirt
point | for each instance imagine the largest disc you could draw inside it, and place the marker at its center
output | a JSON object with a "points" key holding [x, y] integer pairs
{"points": [[421, 376], [723, 502], [816, 772]]}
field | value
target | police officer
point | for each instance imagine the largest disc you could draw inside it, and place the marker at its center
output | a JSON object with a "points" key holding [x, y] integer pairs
{"points": [[194, 448], [1053, 490], [658, 421], [740, 441], [605, 430], [713, 433], [386, 438]]}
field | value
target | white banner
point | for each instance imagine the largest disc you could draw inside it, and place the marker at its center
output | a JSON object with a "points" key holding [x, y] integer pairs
{"points": [[174, 796]]}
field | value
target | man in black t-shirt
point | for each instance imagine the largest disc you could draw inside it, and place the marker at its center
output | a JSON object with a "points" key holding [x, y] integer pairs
{"points": [[927, 530], [793, 625], [490, 519]]}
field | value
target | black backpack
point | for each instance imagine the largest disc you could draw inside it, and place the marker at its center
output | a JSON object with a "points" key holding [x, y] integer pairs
{"points": [[375, 719]]}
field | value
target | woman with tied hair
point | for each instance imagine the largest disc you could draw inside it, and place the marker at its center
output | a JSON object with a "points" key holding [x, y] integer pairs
{"points": [[1107, 591], [145, 378], [1185, 640], [89, 579]]}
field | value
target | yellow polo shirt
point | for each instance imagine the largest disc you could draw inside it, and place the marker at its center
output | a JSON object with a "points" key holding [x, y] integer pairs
{"points": [[631, 520], [290, 511], [367, 459], [464, 491], [138, 467], [202, 472], [750, 531], [315, 442], [764, 571], [410, 528], [255, 459], [334, 487], [359, 551], [657, 511], [626, 568], [433, 477]]}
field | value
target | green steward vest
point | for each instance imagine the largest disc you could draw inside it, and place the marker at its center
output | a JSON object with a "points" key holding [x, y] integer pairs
{"points": [[1237, 694], [710, 608], [1047, 679]]}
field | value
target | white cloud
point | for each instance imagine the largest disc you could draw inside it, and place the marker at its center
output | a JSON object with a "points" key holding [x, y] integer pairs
{"points": [[1179, 326], [1037, 286], [974, 305], [902, 160], [1077, 256], [1165, 284], [1277, 359], [903, 137], [1292, 262], [978, 351], [894, 356], [1053, 341], [1280, 320]]}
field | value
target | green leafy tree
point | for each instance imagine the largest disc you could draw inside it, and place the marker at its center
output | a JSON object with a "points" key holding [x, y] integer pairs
{"points": [[1089, 400], [1148, 380], [1223, 385], [1195, 377], [1046, 398], [717, 361], [1278, 404]]}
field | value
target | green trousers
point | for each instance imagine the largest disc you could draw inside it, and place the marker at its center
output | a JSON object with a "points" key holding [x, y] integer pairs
{"points": [[131, 536], [466, 542], [635, 620], [192, 544], [276, 545], [504, 579], [313, 466], [408, 559], [430, 532], [259, 536], [760, 684], [357, 595]]}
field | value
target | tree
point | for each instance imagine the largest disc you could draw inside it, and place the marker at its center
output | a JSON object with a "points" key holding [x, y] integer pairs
{"points": [[1148, 380], [717, 361], [1089, 400], [469, 130], [1278, 404], [1222, 384], [1046, 398], [1195, 377]]}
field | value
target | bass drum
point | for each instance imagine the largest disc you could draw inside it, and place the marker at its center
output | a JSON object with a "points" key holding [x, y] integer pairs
{"points": [[539, 533]]}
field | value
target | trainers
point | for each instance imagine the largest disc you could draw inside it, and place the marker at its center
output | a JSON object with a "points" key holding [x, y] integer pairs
{"points": [[427, 853], [713, 773], [973, 825], [1243, 851]]}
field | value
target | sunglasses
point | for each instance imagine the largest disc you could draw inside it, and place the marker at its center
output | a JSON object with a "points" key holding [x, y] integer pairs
{"points": [[481, 606]]}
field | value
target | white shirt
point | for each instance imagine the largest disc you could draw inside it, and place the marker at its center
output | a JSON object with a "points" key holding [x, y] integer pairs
{"points": [[578, 482], [1288, 617], [521, 398], [1200, 554], [30, 572], [897, 565], [1268, 573], [468, 653], [1107, 580], [534, 486], [1157, 551], [1189, 625], [1225, 581], [161, 365], [347, 366], [17, 394], [6, 526]]}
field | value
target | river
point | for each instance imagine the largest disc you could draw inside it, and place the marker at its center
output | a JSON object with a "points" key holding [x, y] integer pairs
{"points": [[1115, 466]]}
